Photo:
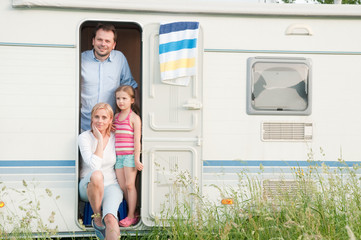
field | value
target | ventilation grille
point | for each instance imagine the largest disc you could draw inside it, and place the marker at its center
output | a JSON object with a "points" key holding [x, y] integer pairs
{"points": [[278, 189], [281, 131]]}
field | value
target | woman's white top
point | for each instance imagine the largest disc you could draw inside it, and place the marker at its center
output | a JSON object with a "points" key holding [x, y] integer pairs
{"points": [[87, 145]]}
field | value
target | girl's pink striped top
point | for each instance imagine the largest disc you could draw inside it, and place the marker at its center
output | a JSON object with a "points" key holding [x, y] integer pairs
{"points": [[124, 136]]}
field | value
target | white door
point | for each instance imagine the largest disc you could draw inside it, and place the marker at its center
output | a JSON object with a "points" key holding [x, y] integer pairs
{"points": [[171, 136]]}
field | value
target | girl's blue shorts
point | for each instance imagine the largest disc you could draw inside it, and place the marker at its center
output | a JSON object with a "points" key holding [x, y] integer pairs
{"points": [[124, 161]]}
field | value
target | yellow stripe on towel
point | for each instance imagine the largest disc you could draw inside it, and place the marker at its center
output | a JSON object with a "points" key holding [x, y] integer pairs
{"points": [[181, 63]]}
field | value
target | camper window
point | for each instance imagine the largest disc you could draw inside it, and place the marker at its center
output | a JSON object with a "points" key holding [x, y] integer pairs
{"points": [[279, 86]]}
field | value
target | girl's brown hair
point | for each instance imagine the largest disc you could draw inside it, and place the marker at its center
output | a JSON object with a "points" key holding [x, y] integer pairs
{"points": [[131, 92]]}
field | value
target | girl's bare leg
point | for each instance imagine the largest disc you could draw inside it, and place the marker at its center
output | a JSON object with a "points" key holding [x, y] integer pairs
{"points": [[130, 175], [121, 181]]}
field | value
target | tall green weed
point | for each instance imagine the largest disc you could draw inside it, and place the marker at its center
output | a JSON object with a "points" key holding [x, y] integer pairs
{"points": [[317, 202]]}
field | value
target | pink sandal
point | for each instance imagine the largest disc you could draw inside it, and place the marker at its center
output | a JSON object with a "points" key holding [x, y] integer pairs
{"points": [[126, 222]]}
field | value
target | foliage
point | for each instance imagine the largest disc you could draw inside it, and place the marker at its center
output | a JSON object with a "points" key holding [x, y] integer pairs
{"points": [[343, 1], [21, 217], [289, 1], [325, 1], [323, 203]]}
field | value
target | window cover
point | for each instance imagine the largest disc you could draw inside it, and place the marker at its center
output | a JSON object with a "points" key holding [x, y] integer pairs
{"points": [[279, 86]]}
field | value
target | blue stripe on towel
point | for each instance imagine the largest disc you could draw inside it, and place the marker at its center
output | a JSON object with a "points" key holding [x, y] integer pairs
{"points": [[178, 43], [177, 26], [175, 46]]}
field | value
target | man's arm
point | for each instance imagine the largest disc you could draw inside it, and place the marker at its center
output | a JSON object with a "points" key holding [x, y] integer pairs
{"points": [[126, 75]]}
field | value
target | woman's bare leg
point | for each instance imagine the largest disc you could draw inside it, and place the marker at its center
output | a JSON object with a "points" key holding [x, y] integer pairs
{"points": [[95, 193], [112, 231]]}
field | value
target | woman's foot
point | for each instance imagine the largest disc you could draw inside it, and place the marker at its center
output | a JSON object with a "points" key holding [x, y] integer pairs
{"points": [[126, 222], [99, 230]]}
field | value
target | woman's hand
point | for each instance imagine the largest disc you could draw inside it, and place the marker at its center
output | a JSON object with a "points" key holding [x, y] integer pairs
{"points": [[97, 133], [99, 137]]}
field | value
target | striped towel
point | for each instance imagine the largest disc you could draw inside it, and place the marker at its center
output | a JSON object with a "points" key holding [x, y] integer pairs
{"points": [[178, 51]]}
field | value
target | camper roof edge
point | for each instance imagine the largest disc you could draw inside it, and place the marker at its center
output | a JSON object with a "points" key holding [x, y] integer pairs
{"points": [[197, 6]]}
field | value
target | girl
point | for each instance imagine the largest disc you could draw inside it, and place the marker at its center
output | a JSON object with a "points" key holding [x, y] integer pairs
{"points": [[127, 126]]}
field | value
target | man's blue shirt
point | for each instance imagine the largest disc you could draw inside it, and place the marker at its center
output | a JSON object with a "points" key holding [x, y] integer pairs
{"points": [[99, 80]]}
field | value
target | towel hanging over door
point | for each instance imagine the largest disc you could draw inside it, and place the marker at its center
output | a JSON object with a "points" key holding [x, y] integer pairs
{"points": [[178, 52]]}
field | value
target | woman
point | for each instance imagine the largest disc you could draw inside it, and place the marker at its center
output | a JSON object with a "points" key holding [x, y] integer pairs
{"points": [[98, 184]]}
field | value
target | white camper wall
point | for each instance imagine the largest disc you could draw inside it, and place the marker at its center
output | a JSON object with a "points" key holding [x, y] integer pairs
{"points": [[39, 94], [38, 105], [39, 87], [230, 133], [232, 139]]}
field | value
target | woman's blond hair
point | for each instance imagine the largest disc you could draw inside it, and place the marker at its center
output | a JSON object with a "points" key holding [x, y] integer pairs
{"points": [[109, 111]]}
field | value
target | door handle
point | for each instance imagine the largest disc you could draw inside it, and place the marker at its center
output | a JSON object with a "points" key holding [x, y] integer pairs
{"points": [[194, 105]]}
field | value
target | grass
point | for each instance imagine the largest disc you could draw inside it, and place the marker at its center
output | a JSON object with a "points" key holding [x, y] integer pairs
{"points": [[321, 203], [22, 217], [18, 221]]}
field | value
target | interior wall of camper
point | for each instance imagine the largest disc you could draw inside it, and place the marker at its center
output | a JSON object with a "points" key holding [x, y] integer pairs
{"points": [[128, 42]]}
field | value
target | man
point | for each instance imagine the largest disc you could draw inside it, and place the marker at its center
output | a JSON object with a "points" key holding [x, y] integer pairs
{"points": [[103, 70]]}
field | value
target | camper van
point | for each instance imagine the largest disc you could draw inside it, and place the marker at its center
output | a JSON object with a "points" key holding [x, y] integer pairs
{"points": [[272, 83]]}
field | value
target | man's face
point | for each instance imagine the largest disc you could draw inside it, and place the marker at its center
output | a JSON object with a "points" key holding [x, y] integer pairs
{"points": [[103, 44]]}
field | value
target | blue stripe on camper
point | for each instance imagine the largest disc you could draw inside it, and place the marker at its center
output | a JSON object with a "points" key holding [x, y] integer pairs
{"points": [[175, 46], [225, 50], [257, 163], [177, 26], [36, 45], [37, 170], [37, 163]]}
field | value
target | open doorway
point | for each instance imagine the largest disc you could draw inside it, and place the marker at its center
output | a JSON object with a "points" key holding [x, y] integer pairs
{"points": [[129, 42]]}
